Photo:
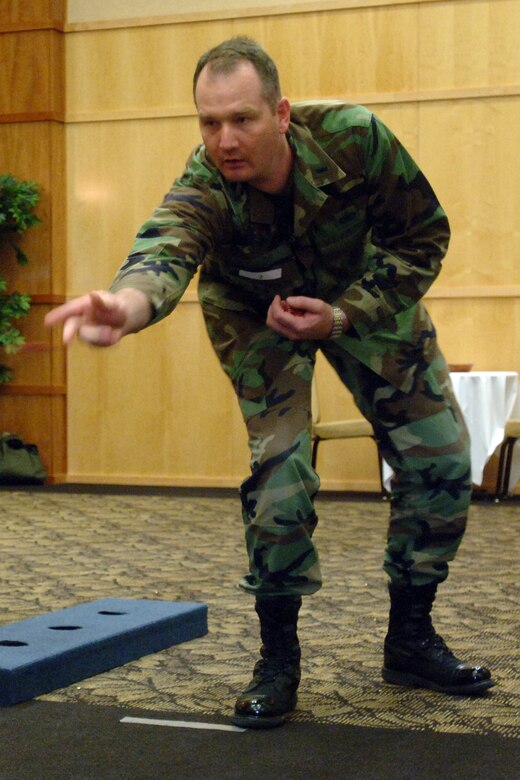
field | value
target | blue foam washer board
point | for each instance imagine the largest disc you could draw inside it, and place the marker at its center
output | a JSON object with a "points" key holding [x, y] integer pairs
{"points": [[51, 651]]}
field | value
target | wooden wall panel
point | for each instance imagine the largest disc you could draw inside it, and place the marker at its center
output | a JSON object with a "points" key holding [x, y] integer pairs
{"points": [[118, 172], [114, 70], [485, 332], [39, 419], [28, 86], [36, 368], [467, 149], [342, 53], [443, 75], [20, 11], [125, 12], [120, 70], [470, 43], [156, 409]]}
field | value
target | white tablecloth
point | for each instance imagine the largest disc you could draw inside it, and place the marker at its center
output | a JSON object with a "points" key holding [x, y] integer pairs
{"points": [[487, 399]]}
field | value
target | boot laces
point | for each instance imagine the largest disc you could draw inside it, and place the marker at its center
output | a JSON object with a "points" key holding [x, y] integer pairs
{"points": [[436, 643], [268, 669]]}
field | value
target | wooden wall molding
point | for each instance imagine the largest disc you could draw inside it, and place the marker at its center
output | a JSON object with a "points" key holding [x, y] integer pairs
{"points": [[485, 291], [13, 389], [47, 299], [188, 111], [438, 293], [195, 481], [368, 99], [33, 25], [32, 116]]}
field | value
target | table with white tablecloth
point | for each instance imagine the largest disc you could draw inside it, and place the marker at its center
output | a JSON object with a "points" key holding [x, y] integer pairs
{"points": [[487, 400]]}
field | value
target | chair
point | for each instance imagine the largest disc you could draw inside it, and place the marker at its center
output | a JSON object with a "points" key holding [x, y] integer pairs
{"points": [[339, 429], [511, 434]]}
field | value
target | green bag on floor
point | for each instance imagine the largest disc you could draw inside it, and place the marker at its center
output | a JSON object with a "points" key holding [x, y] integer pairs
{"points": [[20, 463]]}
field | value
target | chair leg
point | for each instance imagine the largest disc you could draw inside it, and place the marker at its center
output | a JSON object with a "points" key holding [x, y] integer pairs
{"points": [[507, 471], [314, 456], [504, 468], [500, 472]]}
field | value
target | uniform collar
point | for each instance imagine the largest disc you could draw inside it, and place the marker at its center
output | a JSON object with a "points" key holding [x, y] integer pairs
{"points": [[311, 161], [313, 170]]}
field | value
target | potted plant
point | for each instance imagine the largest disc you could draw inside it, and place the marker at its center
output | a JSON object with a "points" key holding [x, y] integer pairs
{"points": [[18, 200]]}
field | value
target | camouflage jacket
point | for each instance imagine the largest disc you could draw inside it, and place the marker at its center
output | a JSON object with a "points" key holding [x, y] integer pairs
{"points": [[365, 230]]}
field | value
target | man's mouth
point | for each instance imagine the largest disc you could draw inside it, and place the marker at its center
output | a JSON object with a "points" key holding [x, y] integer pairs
{"points": [[233, 162]]}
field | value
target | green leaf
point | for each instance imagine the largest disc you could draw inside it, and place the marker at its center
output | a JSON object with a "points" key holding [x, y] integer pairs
{"points": [[15, 344], [18, 200], [21, 257], [14, 306], [5, 375], [9, 335]]}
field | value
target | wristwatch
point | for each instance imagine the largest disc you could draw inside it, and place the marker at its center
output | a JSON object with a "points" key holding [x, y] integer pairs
{"points": [[338, 323]]}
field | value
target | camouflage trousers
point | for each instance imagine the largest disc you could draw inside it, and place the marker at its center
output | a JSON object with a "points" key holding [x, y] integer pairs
{"points": [[420, 433]]}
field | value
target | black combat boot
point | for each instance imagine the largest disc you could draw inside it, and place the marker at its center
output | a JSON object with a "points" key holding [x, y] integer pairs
{"points": [[271, 694], [416, 655]]}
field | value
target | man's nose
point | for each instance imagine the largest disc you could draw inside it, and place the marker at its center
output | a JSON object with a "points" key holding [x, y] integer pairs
{"points": [[228, 139]]}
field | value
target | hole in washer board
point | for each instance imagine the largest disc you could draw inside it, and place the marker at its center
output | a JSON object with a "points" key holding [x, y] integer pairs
{"points": [[64, 628], [12, 643], [108, 612]]}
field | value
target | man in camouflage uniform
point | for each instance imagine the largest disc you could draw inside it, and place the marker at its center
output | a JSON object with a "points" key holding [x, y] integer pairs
{"points": [[313, 229]]}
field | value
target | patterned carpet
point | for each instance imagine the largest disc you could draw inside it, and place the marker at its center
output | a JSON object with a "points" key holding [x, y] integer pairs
{"points": [[61, 548]]}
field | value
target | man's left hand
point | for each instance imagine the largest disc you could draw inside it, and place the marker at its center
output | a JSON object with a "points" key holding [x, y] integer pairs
{"points": [[300, 318]]}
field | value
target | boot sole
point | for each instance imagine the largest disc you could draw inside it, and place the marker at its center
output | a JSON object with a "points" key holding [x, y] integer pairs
{"points": [[413, 681], [263, 721], [257, 722]]}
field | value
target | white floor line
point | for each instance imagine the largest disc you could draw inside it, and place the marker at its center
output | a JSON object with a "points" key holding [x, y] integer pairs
{"points": [[182, 724]]}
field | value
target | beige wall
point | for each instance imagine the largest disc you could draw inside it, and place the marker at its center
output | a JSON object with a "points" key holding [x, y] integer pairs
{"points": [[111, 10], [443, 75]]}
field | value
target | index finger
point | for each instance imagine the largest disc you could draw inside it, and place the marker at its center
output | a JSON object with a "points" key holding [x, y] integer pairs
{"points": [[74, 308]]}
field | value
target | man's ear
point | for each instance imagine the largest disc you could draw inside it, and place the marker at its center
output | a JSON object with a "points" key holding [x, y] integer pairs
{"points": [[284, 114]]}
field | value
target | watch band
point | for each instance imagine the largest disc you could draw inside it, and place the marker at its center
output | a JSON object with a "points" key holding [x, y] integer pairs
{"points": [[337, 323]]}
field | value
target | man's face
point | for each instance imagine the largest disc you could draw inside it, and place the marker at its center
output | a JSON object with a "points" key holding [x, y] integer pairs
{"points": [[242, 135]]}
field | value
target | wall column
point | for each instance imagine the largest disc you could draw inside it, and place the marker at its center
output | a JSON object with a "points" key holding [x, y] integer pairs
{"points": [[32, 147]]}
